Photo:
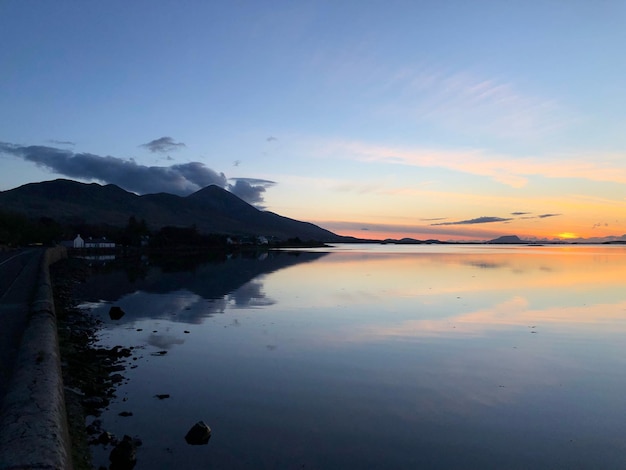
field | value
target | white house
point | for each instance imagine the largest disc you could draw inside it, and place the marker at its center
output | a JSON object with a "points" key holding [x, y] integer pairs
{"points": [[79, 242], [99, 243]]}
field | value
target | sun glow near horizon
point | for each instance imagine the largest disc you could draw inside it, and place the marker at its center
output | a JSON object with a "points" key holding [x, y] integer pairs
{"points": [[568, 235], [478, 233]]}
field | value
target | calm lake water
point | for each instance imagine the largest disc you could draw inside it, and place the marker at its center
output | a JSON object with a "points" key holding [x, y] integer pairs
{"points": [[375, 357]]}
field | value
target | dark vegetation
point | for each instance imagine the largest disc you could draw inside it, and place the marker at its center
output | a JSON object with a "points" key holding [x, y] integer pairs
{"points": [[19, 230]]}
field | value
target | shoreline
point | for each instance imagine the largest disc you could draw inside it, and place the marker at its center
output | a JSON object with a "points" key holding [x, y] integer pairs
{"points": [[90, 373]]}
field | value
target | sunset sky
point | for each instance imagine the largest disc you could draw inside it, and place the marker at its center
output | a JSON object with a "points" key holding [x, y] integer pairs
{"points": [[455, 120]]}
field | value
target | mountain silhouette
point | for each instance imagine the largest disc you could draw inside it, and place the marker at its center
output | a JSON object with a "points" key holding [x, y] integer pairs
{"points": [[508, 239], [211, 210]]}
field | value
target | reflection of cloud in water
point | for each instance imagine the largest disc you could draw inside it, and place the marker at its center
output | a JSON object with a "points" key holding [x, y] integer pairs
{"points": [[358, 297], [457, 379], [250, 295], [164, 341], [514, 312], [486, 264], [157, 305], [182, 305]]}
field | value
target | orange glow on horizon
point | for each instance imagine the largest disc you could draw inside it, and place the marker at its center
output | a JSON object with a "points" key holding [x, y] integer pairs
{"points": [[546, 234], [379, 235]]}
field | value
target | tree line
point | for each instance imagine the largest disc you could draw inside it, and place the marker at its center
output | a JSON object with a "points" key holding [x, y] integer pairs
{"points": [[18, 230]]}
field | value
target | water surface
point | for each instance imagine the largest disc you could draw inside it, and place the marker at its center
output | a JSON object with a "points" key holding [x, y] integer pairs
{"points": [[375, 356]]}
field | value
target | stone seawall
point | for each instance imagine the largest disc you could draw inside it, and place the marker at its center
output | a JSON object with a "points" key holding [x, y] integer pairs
{"points": [[33, 421]]}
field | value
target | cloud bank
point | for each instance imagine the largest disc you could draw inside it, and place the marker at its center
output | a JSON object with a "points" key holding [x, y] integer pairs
{"points": [[180, 179]]}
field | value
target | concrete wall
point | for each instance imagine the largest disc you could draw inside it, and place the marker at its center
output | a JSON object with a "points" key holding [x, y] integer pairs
{"points": [[33, 420]]}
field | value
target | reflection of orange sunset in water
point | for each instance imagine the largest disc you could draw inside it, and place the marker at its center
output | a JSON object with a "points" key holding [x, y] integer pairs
{"points": [[481, 288]]}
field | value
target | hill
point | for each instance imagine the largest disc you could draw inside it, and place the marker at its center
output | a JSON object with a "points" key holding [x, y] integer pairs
{"points": [[211, 210], [508, 240]]}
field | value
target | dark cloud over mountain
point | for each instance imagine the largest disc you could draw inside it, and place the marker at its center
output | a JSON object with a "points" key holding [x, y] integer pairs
{"points": [[478, 220], [250, 190], [162, 145], [180, 179]]}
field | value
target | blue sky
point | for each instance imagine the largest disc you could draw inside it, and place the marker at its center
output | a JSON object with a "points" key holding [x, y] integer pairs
{"points": [[454, 119]]}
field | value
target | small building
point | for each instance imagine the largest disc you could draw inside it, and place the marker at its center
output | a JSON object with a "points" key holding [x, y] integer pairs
{"points": [[79, 242], [99, 243]]}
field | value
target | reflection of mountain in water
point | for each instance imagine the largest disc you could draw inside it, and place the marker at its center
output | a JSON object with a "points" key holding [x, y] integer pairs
{"points": [[486, 264], [206, 289]]}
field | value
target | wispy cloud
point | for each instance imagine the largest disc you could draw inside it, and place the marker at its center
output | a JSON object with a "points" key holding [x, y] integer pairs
{"points": [[469, 102], [526, 215], [163, 145], [356, 187], [463, 101], [416, 231], [61, 142], [478, 220], [505, 169]]}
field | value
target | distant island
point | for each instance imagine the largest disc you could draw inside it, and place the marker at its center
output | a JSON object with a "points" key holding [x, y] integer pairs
{"points": [[508, 240]]}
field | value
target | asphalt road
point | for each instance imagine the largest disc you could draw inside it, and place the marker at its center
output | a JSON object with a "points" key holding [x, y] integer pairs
{"points": [[18, 277]]}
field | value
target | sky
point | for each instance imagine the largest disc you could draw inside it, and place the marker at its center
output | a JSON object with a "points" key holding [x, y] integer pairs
{"points": [[452, 120]]}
